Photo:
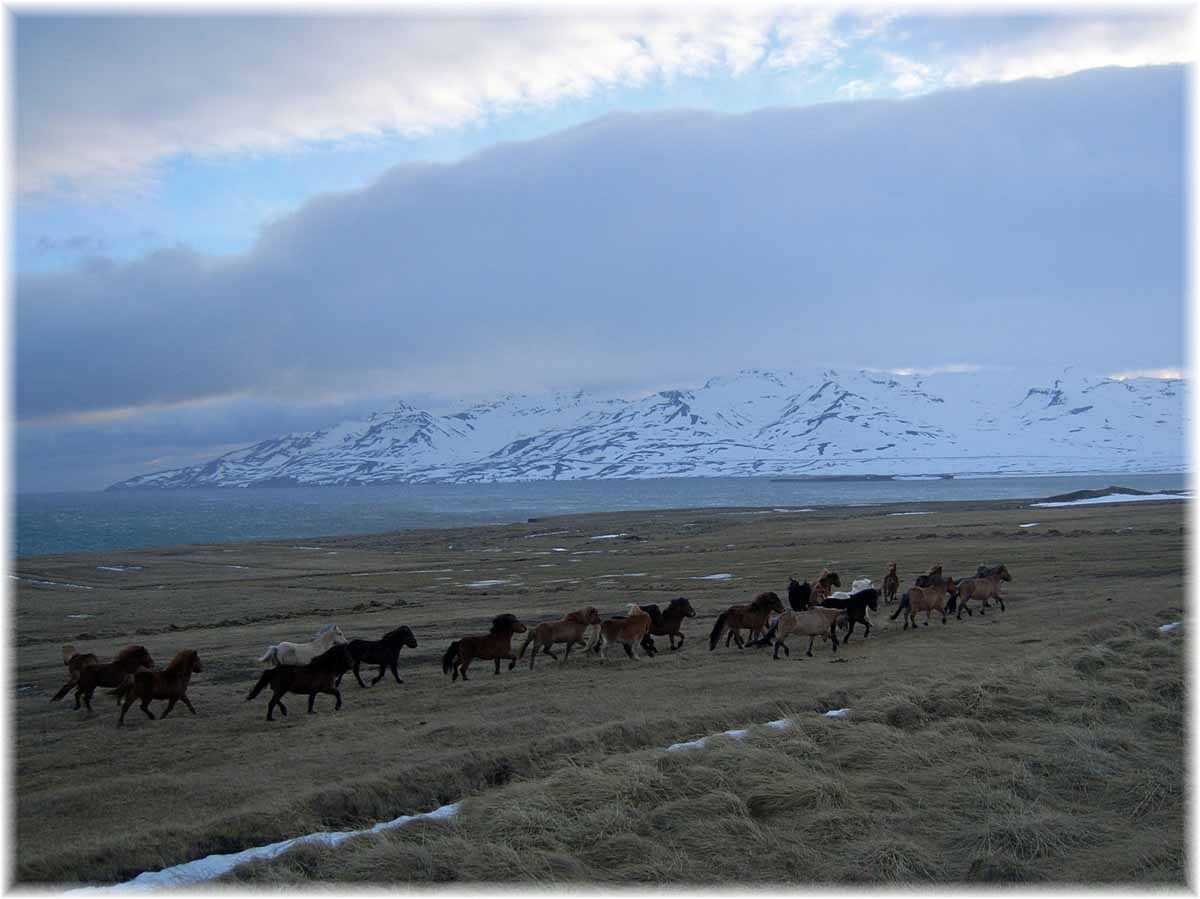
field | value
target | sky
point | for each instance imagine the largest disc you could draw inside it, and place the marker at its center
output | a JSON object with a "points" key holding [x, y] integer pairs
{"points": [[230, 227]]}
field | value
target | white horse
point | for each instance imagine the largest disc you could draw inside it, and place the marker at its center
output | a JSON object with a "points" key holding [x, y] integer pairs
{"points": [[286, 653], [860, 584]]}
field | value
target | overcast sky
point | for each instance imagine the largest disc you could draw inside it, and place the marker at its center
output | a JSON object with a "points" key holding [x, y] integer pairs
{"points": [[229, 228]]}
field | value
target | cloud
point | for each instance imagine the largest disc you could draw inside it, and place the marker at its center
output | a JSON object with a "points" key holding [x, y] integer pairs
{"points": [[666, 247], [1162, 373], [78, 244], [224, 85]]}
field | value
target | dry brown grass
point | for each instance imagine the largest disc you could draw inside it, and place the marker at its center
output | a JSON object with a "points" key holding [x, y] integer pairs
{"points": [[1041, 744]]}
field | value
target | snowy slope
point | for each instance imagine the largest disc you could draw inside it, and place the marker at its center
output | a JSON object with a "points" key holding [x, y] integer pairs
{"points": [[754, 422]]}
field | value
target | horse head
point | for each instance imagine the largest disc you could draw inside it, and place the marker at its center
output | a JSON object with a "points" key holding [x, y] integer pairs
{"points": [[1003, 573], [683, 604], [590, 615], [507, 624], [138, 654]]}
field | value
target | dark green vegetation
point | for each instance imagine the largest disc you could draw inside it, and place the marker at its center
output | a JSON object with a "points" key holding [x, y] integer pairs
{"points": [[1040, 744]]}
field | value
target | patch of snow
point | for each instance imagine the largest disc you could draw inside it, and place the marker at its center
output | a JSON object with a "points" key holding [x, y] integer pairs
{"points": [[1114, 498], [40, 583], [712, 577], [838, 713], [1170, 628], [131, 567], [485, 583], [546, 534], [907, 513], [81, 615], [608, 536], [1032, 524], [558, 549]]}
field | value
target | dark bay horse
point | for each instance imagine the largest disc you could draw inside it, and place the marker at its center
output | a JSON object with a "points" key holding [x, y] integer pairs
{"points": [[753, 616], [75, 662], [111, 674], [384, 652], [856, 609], [569, 629], [318, 676], [496, 644], [170, 684], [891, 584], [799, 595], [667, 622]]}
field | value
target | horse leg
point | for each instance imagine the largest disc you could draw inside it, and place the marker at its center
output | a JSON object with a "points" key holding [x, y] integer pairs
{"points": [[357, 674], [378, 677], [927, 611], [810, 643], [312, 698], [728, 636], [833, 635], [395, 673], [512, 662], [628, 649], [849, 631], [567, 651], [124, 709], [170, 705], [867, 628], [497, 664], [1000, 599], [337, 695], [87, 700], [188, 703], [271, 706], [550, 652]]}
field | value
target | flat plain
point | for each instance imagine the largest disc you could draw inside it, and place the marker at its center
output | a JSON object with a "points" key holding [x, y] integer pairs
{"points": [[1040, 744]]}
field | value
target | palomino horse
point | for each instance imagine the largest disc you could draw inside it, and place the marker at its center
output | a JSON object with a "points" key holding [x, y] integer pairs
{"points": [[799, 595], [983, 589], [318, 676], [891, 584], [568, 629], [753, 616], [496, 644], [924, 599], [286, 653], [170, 684], [384, 652], [627, 631], [112, 674], [824, 585], [813, 622], [855, 606]]}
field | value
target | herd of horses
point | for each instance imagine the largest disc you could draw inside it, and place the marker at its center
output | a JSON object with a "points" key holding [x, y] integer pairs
{"points": [[316, 667]]}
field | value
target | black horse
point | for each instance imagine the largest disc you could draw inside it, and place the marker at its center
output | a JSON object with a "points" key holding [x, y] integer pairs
{"points": [[383, 652], [856, 609], [799, 595]]}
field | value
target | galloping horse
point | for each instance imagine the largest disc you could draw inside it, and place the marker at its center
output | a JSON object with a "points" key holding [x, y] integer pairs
{"points": [[891, 584], [924, 599], [824, 585], [170, 684], [318, 676], [855, 606], [286, 653], [627, 631], [568, 629], [496, 644], [112, 674], [384, 652], [983, 589], [753, 616], [667, 623], [813, 622], [75, 662], [799, 595]]}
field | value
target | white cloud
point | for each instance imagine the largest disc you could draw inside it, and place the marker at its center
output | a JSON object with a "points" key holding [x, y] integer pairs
{"points": [[1163, 373]]}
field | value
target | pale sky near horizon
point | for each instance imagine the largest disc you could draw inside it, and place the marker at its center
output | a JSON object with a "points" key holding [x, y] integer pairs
{"points": [[226, 228]]}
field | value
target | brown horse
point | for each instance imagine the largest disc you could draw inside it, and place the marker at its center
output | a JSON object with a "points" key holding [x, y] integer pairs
{"points": [[170, 684], [496, 644], [668, 622], [568, 629], [813, 622], [925, 599], [891, 584], [627, 631], [753, 616], [824, 585], [983, 589], [111, 674], [75, 661], [318, 676]]}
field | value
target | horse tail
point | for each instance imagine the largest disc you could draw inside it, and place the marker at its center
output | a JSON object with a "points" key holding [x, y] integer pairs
{"points": [[528, 639], [765, 639], [716, 631], [271, 655], [450, 657], [903, 605], [263, 680]]}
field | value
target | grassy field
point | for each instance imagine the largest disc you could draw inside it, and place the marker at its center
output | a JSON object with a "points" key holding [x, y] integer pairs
{"points": [[1044, 743]]}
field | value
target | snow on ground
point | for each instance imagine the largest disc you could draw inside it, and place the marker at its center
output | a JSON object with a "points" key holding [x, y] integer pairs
{"points": [[1032, 524], [712, 577], [1115, 498], [1170, 628], [40, 583], [908, 513], [485, 583], [608, 536]]}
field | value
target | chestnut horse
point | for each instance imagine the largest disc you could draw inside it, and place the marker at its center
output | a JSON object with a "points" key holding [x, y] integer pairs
{"points": [[891, 584], [925, 599], [824, 585], [496, 644], [753, 616], [111, 674], [75, 661], [983, 589], [318, 676], [568, 629], [627, 631], [170, 684], [813, 622], [384, 652]]}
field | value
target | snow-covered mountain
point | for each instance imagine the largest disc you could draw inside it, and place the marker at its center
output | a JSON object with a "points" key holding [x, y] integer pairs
{"points": [[751, 423]]}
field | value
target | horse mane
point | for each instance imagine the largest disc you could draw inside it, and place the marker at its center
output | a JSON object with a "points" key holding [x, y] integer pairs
{"points": [[130, 650], [325, 629], [654, 612], [677, 601], [69, 651], [180, 659], [396, 634], [503, 623], [762, 602]]}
